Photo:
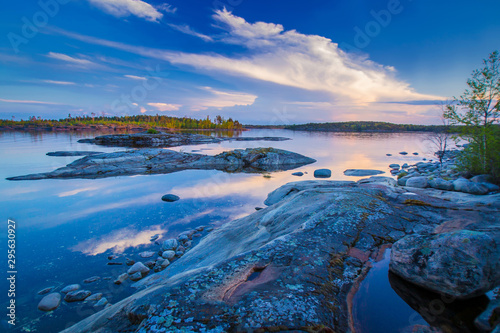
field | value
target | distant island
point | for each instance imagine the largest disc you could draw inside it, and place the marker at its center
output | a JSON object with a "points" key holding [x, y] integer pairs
{"points": [[363, 126]]}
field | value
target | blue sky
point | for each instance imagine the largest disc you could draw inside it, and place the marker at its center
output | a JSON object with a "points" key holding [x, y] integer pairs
{"points": [[261, 62]]}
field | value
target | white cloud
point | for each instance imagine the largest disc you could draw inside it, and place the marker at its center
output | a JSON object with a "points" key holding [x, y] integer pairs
{"points": [[165, 107], [125, 8], [221, 99], [27, 101], [64, 83], [67, 58], [188, 31], [166, 8], [134, 77], [143, 109]]}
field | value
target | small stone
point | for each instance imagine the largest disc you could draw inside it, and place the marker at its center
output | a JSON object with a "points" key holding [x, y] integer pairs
{"points": [[197, 235], [136, 276], [394, 166], [179, 254], [129, 262], [209, 229], [77, 296], [45, 291], [200, 228], [70, 288], [121, 278], [322, 173], [183, 238], [112, 257], [415, 153], [138, 267], [155, 237], [50, 302], [102, 302], [92, 279], [170, 198], [146, 254], [403, 153], [258, 208], [168, 254], [112, 263], [94, 297], [150, 264], [298, 174]]}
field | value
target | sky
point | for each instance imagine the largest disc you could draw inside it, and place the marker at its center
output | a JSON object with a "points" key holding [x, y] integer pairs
{"points": [[260, 62]]}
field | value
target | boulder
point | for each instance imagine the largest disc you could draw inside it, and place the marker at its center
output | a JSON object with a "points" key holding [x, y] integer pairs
{"points": [[50, 302], [322, 173], [77, 296], [441, 184], [170, 198], [170, 244], [420, 182], [462, 264], [466, 186], [362, 172], [138, 267]]}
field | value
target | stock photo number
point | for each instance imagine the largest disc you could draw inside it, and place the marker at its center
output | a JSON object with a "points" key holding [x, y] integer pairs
{"points": [[11, 271]]}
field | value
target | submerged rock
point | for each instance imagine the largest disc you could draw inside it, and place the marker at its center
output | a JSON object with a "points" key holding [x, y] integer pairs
{"points": [[462, 264], [77, 296], [45, 290], [362, 172], [50, 302], [163, 161], [70, 288], [121, 278], [92, 279]]}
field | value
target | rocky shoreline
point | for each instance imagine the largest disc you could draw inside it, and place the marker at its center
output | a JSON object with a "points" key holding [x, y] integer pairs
{"points": [[294, 265], [163, 161]]}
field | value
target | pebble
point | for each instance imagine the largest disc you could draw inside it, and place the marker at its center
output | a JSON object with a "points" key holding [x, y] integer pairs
{"points": [[170, 198], [70, 288]]}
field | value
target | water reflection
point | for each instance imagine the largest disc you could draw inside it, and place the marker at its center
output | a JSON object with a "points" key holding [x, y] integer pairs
{"points": [[444, 312]]}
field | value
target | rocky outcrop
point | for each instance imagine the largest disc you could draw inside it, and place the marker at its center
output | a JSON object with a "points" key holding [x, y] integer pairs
{"points": [[161, 161], [145, 140], [287, 267], [461, 264]]}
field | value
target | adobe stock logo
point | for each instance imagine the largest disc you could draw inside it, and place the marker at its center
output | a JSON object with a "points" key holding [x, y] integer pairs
{"points": [[30, 28], [381, 19]]}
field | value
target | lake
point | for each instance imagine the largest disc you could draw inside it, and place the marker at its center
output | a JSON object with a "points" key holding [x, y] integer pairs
{"points": [[66, 229]]}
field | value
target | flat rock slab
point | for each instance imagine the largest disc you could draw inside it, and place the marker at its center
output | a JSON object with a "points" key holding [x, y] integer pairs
{"points": [[143, 140], [162, 161], [287, 266], [74, 153], [362, 172]]}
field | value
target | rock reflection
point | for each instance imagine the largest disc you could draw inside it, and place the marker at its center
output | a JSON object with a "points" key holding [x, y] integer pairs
{"points": [[440, 311]]}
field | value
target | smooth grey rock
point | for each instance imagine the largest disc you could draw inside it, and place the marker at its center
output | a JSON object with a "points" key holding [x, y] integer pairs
{"points": [[322, 173], [138, 267], [402, 181], [70, 288], [394, 166], [378, 180], [169, 254], [462, 264], [170, 244], [295, 187], [50, 302], [163, 161], [362, 172], [298, 174], [466, 186], [183, 238], [420, 182], [405, 166], [121, 278], [77, 296], [441, 184], [45, 290], [170, 197]]}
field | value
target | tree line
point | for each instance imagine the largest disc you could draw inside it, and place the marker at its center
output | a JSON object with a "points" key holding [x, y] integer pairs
{"points": [[147, 121]]}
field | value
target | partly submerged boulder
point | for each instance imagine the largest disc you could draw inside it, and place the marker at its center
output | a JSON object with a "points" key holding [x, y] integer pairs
{"points": [[462, 263]]}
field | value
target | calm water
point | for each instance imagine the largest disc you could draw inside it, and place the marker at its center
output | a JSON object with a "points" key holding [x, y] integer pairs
{"points": [[66, 229]]}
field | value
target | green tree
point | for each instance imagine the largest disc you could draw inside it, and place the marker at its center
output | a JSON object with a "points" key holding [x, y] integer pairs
{"points": [[478, 110]]}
